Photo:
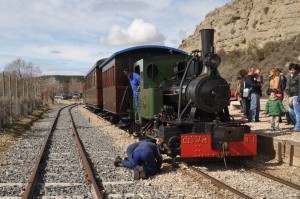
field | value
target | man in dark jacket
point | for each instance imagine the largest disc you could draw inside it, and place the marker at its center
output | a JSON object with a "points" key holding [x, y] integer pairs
{"points": [[255, 91], [294, 95]]}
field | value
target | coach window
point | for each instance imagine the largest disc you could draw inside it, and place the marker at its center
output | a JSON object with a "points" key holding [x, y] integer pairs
{"points": [[94, 79], [152, 71]]}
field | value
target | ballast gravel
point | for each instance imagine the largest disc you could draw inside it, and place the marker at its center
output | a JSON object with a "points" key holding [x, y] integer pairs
{"points": [[103, 143]]}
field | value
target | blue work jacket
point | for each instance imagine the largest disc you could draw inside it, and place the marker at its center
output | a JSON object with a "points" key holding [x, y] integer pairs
{"points": [[150, 146], [135, 80]]}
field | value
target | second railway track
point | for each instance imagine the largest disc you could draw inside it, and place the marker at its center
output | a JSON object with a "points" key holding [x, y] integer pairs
{"points": [[247, 183]]}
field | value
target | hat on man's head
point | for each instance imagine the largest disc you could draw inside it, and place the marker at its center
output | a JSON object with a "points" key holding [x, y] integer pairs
{"points": [[126, 71]]}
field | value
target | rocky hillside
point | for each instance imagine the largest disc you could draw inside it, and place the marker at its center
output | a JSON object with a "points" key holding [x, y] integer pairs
{"points": [[253, 33], [242, 21]]}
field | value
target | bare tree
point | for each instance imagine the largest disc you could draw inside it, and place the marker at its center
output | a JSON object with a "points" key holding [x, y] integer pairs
{"points": [[75, 85], [22, 69], [51, 86], [65, 87], [25, 73]]}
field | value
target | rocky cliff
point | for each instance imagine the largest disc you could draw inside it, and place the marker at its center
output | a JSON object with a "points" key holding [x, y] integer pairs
{"points": [[252, 33], [243, 21]]}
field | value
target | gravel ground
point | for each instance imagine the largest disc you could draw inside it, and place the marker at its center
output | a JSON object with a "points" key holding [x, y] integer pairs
{"points": [[107, 141], [251, 184], [118, 182], [201, 188], [17, 162]]}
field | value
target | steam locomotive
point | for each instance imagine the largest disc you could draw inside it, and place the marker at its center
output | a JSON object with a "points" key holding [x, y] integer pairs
{"points": [[183, 99]]}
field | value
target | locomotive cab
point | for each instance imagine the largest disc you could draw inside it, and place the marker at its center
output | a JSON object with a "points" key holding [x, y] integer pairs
{"points": [[154, 71]]}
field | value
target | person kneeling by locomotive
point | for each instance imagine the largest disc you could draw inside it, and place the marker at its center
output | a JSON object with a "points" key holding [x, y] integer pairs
{"points": [[144, 158]]}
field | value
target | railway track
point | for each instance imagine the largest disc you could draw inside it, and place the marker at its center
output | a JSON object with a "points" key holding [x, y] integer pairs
{"points": [[270, 176], [259, 184], [58, 170]]}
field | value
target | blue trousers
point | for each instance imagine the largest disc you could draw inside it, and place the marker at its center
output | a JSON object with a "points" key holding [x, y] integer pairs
{"points": [[147, 160], [245, 103], [136, 101], [254, 107], [129, 163], [294, 112]]}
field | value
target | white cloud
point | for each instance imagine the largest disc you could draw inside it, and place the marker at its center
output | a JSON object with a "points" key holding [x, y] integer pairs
{"points": [[139, 32], [79, 33]]}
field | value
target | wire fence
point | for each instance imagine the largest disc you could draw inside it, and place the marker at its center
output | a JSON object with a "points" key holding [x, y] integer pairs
{"points": [[17, 98]]}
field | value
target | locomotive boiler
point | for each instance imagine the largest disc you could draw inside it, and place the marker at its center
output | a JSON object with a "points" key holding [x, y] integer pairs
{"points": [[197, 83]]}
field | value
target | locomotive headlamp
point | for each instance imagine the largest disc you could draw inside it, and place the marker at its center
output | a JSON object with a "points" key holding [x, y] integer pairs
{"points": [[213, 61]]}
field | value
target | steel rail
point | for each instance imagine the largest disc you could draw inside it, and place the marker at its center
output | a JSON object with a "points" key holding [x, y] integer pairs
{"points": [[272, 177], [83, 154], [218, 183], [29, 190], [290, 184]]}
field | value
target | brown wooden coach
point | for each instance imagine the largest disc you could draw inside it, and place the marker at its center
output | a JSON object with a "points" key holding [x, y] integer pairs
{"points": [[105, 84]]}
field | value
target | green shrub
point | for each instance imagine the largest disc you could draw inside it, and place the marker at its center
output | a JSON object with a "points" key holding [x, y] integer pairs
{"points": [[254, 52]]}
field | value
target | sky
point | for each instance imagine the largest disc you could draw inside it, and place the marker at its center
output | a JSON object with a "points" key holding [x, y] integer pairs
{"points": [[67, 37]]}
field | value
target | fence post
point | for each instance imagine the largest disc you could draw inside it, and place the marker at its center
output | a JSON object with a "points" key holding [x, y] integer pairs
{"points": [[10, 99], [17, 98], [27, 98], [3, 93], [34, 98], [23, 98], [3, 98]]}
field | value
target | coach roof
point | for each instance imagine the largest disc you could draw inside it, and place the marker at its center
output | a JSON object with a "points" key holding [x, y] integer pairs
{"points": [[136, 48], [97, 64]]}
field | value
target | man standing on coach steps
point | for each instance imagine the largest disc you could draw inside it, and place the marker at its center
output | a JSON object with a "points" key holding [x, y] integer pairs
{"points": [[134, 79]]}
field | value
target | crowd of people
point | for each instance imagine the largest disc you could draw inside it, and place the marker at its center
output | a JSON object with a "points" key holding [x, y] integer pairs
{"points": [[249, 90]]}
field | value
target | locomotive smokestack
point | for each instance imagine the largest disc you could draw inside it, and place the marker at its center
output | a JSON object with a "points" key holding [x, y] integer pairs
{"points": [[211, 61], [207, 41]]}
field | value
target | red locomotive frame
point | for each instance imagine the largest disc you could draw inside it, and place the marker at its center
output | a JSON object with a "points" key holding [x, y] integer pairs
{"points": [[199, 145]]}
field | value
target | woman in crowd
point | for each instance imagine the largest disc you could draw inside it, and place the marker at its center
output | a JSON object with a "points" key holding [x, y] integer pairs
{"points": [[275, 82], [245, 101], [237, 92], [294, 95]]}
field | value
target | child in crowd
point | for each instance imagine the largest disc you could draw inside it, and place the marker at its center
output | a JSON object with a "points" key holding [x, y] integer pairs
{"points": [[274, 108], [258, 76]]}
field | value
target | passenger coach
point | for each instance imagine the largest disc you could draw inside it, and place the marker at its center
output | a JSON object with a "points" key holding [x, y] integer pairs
{"points": [[107, 89]]}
